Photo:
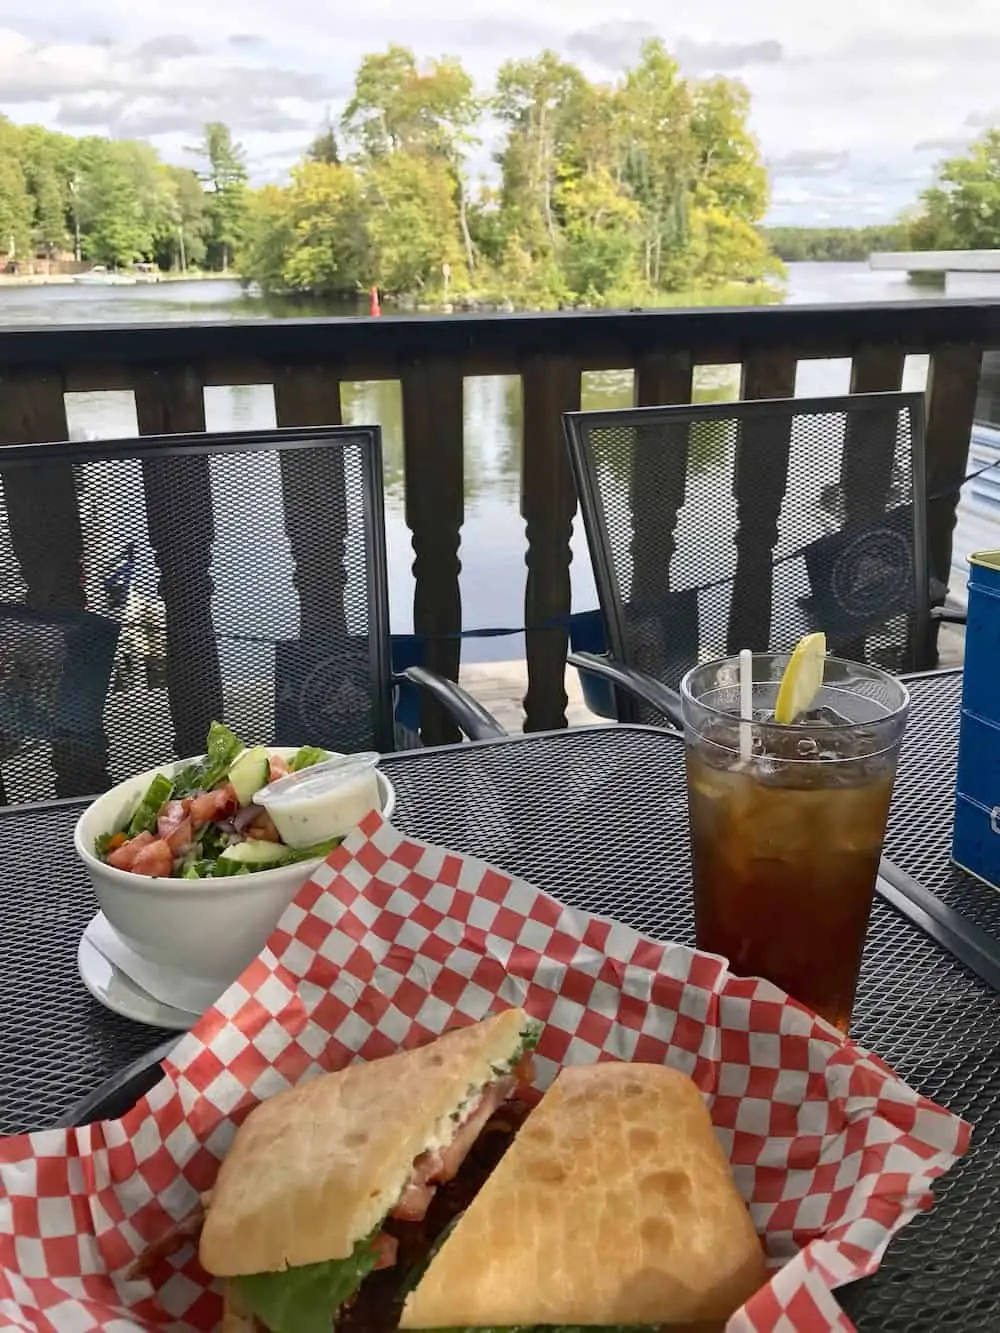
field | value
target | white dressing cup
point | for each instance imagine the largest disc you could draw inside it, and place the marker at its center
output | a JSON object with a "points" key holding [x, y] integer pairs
{"points": [[325, 801]]}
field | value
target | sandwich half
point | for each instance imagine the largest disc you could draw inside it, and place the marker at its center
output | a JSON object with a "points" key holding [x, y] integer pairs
{"points": [[614, 1206], [296, 1219]]}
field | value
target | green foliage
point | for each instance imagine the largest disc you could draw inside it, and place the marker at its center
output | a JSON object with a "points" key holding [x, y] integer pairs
{"points": [[795, 244], [224, 176], [961, 211], [115, 201], [608, 193]]}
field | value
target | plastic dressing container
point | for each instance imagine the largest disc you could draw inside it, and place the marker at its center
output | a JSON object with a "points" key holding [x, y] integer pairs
{"points": [[325, 801]]}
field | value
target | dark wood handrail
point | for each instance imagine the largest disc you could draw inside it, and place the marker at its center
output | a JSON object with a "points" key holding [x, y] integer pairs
{"points": [[497, 342]]}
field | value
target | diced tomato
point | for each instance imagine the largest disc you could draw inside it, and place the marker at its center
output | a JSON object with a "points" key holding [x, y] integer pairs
{"points": [[123, 857], [277, 767], [216, 804], [263, 829], [154, 859]]}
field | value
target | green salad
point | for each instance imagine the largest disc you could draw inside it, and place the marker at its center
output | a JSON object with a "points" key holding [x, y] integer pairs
{"points": [[202, 822]]}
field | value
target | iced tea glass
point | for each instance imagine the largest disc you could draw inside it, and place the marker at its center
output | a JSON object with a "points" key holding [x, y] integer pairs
{"points": [[787, 822]]}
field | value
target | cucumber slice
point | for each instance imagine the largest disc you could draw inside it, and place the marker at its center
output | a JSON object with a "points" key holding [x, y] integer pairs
{"points": [[256, 853], [248, 773]]}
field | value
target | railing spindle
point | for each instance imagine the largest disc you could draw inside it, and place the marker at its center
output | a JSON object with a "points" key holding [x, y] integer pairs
{"points": [[434, 453], [551, 386], [180, 521], [759, 488], [43, 518], [952, 386], [310, 396]]}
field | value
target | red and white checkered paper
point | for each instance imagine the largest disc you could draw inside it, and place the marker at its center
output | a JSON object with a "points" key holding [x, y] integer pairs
{"points": [[392, 942]]}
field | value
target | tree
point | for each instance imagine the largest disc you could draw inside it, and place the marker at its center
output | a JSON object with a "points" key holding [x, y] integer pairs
{"points": [[182, 232], [324, 147], [224, 177], [48, 168], [15, 200], [114, 218], [655, 109], [602, 230], [329, 243], [961, 211], [612, 192], [533, 100], [411, 223], [399, 108]]}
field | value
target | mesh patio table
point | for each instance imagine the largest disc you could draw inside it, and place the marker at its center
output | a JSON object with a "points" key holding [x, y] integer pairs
{"points": [[597, 817]]}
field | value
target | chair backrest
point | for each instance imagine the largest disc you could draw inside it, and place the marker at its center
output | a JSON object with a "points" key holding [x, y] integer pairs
{"points": [[724, 526], [151, 585]]}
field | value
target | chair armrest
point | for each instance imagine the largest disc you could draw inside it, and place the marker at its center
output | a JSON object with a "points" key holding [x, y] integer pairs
{"points": [[477, 722], [636, 683], [948, 615]]}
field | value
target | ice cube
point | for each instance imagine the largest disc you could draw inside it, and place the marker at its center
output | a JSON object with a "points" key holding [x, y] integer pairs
{"points": [[824, 716]]}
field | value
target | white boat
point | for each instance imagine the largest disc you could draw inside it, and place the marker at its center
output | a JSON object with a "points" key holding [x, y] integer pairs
{"points": [[99, 276]]}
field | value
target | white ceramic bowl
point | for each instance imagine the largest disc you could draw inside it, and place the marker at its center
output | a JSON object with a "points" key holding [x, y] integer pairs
{"points": [[210, 929]]}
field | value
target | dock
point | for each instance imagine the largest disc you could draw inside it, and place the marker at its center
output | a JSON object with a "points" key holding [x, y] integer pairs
{"points": [[937, 261]]}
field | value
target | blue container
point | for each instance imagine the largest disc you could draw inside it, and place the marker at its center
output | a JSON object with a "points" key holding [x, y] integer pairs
{"points": [[976, 838]]}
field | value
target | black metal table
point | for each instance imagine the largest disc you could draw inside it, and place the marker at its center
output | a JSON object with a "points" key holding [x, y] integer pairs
{"points": [[597, 817]]}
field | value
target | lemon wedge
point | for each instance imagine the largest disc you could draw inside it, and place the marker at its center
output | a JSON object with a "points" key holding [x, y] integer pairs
{"points": [[803, 679]]}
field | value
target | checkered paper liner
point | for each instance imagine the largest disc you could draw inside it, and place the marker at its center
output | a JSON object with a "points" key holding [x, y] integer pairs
{"points": [[392, 942]]}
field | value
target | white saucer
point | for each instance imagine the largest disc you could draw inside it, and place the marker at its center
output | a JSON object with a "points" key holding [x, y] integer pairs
{"points": [[116, 992]]}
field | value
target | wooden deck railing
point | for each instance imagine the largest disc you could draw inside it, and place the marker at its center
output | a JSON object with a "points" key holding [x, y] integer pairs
{"points": [[168, 367]]}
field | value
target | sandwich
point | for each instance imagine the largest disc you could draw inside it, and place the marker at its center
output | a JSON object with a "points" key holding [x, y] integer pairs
{"points": [[322, 1182], [614, 1206]]}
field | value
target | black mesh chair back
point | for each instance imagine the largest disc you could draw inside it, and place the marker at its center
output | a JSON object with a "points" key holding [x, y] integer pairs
{"points": [[151, 585], [724, 526]]}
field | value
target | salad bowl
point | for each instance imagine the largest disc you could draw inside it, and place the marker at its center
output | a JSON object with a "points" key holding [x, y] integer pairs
{"points": [[209, 928]]}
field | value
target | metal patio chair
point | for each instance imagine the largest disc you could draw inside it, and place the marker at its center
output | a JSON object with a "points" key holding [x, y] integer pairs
{"points": [[151, 585], [737, 525]]}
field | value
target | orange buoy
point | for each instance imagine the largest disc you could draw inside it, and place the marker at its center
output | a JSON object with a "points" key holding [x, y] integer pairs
{"points": [[374, 308]]}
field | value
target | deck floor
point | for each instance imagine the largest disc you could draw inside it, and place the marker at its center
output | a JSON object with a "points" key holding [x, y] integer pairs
{"points": [[501, 686]]}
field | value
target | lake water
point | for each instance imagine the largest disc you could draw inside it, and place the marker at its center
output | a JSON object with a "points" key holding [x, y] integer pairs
{"points": [[492, 579]]}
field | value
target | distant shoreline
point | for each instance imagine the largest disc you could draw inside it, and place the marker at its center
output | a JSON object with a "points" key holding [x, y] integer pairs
{"points": [[141, 279]]}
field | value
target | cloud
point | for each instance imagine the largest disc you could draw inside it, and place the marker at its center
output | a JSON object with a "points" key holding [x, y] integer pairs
{"points": [[166, 84], [983, 120], [146, 117], [611, 45], [171, 46], [702, 57], [808, 162], [615, 44], [245, 41], [954, 143]]}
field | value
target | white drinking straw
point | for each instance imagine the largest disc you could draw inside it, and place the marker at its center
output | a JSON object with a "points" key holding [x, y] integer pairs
{"points": [[746, 704]]}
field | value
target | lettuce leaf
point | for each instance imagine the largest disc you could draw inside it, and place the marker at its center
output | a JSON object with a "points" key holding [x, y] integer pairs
{"points": [[306, 757], [221, 748], [306, 1299]]}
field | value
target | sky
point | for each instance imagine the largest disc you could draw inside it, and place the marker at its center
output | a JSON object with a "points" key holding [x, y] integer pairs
{"points": [[854, 101]]}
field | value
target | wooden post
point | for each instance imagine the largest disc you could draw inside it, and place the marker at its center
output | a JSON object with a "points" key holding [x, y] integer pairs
{"points": [[548, 504], [434, 453], [759, 488], [952, 386], [659, 475], [180, 520], [314, 499], [43, 517]]}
